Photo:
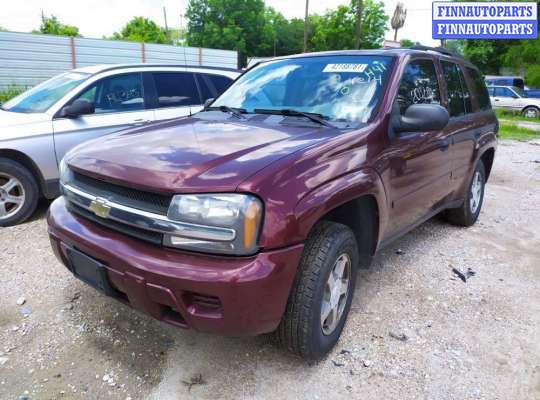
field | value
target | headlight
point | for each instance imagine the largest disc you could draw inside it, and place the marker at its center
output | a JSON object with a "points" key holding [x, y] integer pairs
{"points": [[218, 223], [64, 172]]}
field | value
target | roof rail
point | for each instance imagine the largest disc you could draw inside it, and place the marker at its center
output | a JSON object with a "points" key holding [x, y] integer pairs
{"points": [[439, 49]]}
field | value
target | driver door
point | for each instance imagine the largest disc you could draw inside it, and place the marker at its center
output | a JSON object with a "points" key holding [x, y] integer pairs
{"points": [[419, 162], [119, 103]]}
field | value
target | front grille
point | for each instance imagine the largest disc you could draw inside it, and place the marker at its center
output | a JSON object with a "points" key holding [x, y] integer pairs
{"points": [[142, 234], [146, 201]]}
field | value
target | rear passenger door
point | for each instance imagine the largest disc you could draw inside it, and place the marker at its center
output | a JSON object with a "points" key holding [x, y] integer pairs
{"points": [[461, 127], [477, 121], [173, 94]]}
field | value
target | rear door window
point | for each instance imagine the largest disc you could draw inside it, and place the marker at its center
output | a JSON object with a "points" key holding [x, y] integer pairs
{"points": [[459, 98], [419, 85], [176, 89], [504, 92], [482, 93]]}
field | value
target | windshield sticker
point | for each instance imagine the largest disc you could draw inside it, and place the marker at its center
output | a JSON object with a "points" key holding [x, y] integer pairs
{"points": [[350, 67]]}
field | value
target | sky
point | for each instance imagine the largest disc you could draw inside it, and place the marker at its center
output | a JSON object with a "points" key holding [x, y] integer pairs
{"points": [[98, 18]]}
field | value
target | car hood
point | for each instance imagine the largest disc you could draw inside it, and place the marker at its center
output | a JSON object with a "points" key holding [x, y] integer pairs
{"points": [[192, 154], [9, 119]]}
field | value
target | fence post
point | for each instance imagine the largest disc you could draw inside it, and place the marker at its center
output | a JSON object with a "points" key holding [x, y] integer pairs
{"points": [[73, 54], [143, 53], [200, 56]]}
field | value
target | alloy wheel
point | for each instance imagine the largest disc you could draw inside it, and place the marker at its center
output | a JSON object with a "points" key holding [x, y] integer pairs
{"points": [[335, 294], [476, 191], [12, 196]]}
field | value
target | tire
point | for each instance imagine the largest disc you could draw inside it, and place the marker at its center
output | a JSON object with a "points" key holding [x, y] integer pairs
{"points": [[301, 330], [468, 213], [17, 203], [531, 112]]}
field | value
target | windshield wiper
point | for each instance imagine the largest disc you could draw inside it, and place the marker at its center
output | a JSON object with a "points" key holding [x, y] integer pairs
{"points": [[318, 118], [237, 112]]}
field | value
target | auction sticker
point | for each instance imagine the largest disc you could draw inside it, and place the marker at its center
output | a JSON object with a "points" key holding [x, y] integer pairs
{"points": [[349, 67], [484, 20]]}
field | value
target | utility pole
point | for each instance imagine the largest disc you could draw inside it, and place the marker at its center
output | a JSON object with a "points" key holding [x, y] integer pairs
{"points": [[166, 27], [358, 25], [182, 35], [306, 25]]}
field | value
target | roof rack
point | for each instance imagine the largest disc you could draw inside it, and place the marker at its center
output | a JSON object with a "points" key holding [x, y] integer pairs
{"points": [[439, 49]]}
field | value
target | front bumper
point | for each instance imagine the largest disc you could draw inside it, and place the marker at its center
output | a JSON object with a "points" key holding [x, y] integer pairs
{"points": [[225, 295]]}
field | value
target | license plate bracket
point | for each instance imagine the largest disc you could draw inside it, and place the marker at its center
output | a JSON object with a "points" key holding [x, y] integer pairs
{"points": [[90, 271]]}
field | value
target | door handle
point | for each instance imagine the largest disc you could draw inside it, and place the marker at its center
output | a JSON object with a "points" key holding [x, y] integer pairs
{"points": [[496, 99], [141, 121]]}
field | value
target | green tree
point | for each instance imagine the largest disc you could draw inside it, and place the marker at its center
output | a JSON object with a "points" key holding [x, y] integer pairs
{"points": [[52, 26], [229, 24], [524, 55], [141, 29], [335, 29], [2, 29], [406, 43]]}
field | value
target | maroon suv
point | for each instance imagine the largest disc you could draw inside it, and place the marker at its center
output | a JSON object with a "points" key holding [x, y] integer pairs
{"points": [[255, 214]]}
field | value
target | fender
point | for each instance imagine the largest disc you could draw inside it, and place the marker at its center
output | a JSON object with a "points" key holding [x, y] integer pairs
{"points": [[484, 143], [339, 191]]}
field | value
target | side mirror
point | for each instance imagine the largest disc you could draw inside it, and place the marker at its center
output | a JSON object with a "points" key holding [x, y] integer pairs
{"points": [[421, 118], [77, 108], [207, 102]]}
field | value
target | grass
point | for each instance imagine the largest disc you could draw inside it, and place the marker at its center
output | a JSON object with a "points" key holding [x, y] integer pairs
{"points": [[10, 92], [510, 116], [514, 132]]}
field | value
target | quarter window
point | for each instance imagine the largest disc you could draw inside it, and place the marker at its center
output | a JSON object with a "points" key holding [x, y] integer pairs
{"points": [[418, 85], [176, 89], [206, 91], [117, 93], [459, 98], [221, 83]]}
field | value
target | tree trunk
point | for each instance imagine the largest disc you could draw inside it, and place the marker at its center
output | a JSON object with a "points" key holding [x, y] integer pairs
{"points": [[358, 25]]}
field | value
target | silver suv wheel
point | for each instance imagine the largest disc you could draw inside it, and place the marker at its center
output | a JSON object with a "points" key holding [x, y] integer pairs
{"points": [[335, 295], [12, 196]]}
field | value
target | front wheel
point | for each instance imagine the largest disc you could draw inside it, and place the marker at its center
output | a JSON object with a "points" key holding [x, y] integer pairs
{"points": [[19, 193], [322, 292], [468, 213]]}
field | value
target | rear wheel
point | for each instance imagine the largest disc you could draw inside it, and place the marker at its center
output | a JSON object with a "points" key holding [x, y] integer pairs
{"points": [[322, 292], [531, 112], [468, 213], [18, 193]]}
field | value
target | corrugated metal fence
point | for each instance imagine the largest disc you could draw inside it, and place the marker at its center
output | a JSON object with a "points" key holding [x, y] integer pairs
{"points": [[27, 59]]}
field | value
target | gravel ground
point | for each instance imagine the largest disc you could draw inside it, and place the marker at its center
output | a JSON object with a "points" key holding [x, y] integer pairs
{"points": [[416, 331]]}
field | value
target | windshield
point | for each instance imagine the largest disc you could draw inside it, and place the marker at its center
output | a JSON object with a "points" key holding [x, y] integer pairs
{"points": [[44, 95], [339, 88]]}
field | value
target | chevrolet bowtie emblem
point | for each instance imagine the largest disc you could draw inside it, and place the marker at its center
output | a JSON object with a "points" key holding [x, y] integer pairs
{"points": [[100, 207]]}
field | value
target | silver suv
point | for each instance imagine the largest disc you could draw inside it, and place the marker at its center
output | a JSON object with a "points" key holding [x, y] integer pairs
{"points": [[39, 126], [514, 99]]}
